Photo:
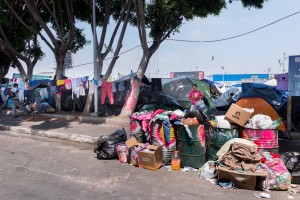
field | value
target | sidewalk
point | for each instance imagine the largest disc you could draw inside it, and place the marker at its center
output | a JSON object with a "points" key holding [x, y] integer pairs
{"points": [[64, 126]]}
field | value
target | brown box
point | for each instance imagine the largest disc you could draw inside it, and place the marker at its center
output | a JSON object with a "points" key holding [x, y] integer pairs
{"points": [[238, 115], [241, 180], [152, 159]]}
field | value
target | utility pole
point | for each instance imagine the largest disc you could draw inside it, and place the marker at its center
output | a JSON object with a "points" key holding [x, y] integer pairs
{"points": [[283, 68]]}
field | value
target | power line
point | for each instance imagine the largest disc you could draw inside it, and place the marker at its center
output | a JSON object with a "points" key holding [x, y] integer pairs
{"points": [[236, 36], [202, 41], [186, 62]]}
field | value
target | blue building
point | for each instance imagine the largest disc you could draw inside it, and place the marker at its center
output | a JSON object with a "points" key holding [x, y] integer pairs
{"points": [[257, 78]]}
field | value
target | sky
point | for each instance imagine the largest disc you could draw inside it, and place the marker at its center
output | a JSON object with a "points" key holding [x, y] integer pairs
{"points": [[257, 52]]}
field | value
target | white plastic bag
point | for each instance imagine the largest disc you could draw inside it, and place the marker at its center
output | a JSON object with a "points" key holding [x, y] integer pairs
{"points": [[208, 170]]}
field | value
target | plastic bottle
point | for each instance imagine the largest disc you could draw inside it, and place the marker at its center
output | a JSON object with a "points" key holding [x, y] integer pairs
{"points": [[175, 162]]}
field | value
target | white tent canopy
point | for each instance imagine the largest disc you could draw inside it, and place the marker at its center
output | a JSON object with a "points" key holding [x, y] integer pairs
{"points": [[272, 82]]}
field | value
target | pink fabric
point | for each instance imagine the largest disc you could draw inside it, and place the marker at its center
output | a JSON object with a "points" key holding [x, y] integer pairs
{"points": [[106, 89], [145, 118], [67, 81]]}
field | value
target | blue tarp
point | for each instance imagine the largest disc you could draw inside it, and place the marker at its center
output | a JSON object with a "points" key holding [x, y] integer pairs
{"points": [[34, 83], [268, 93]]}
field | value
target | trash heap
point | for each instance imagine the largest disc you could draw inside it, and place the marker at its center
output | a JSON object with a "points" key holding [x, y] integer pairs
{"points": [[234, 150]]}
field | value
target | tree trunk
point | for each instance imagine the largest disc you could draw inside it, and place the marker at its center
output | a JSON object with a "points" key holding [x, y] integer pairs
{"points": [[132, 97], [89, 99], [59, 74]]}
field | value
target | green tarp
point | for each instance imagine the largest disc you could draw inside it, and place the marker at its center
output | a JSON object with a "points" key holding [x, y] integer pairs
{"points": [[180, 89]]}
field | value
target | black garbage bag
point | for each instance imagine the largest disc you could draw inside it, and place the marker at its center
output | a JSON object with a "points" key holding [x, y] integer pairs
{"points": [[291, 161], [106, 145], [201, 117]]}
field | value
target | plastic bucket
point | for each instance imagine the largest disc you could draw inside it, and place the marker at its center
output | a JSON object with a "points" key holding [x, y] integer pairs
{"points": [[266, 139], [158, 139], [191, 147], [217, 137]]}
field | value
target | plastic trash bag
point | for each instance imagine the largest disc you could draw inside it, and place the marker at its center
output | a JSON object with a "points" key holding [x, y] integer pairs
{"points": [[292, 163], [208, 170], [201, 117], [106, 145]]}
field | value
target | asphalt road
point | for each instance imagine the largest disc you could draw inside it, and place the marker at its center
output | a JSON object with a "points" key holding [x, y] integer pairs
{"points": [[35, 168]]}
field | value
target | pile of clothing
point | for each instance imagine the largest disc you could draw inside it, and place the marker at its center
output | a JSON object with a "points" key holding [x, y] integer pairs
{"points": [[159, 127], [240, 155]]}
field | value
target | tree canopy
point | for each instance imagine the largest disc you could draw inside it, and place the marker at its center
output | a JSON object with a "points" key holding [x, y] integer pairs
{"points": [[16, 41]]}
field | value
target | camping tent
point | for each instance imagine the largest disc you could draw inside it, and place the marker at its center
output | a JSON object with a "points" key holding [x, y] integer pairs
{"points": [[268, 93], [272, 82], [180, 89], [260, 106]]}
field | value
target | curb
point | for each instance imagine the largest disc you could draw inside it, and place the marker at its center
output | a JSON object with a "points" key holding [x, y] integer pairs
{"points": [[50, 134], [100, 120]]}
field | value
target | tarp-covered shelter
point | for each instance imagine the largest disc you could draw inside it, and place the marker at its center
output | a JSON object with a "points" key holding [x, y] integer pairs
{"points": [[230, 96], [260, 106], [268, 93], [295, 110], [180, 89]]}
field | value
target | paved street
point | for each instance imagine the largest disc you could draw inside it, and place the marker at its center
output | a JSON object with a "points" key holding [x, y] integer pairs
{"points": [[36, 168]]}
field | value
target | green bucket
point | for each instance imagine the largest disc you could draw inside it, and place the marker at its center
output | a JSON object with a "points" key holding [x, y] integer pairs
{"points": [[191, 146], [217, 137]]}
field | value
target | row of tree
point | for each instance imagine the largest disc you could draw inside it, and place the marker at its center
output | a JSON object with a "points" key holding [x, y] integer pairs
{"points": [[25, 23]]}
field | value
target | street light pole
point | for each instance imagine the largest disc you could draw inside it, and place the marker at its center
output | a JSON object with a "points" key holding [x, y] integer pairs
{"points": [[95, 59], [222, 67]]}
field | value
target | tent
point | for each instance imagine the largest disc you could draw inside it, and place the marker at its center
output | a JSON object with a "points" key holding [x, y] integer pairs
{"points": [[295, 110], [260, 106], [272, 82], [224, 101], [180, 89], [268, 93]]}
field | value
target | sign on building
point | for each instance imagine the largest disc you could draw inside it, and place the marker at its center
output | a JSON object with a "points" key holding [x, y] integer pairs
{"points": [[34, 77], [294, 76], [193, 75]]}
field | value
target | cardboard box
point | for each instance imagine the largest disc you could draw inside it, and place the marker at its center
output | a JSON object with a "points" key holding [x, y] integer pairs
{"points": [[238, 115], [152, 159], [241, 180]]}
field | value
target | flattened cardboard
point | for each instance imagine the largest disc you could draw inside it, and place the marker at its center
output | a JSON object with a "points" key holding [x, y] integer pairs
{"points": [[241, 180], [152, 159], [237, 114]]}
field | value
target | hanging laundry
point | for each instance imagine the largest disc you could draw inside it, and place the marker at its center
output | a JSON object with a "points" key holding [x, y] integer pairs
{"points": [[44, 93], [21, 95], [106, 89], [53, 90], [68, 84], [76, 82], [113, 87], [60, 82], [84, 79], [96, 82], [81, 91]]}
